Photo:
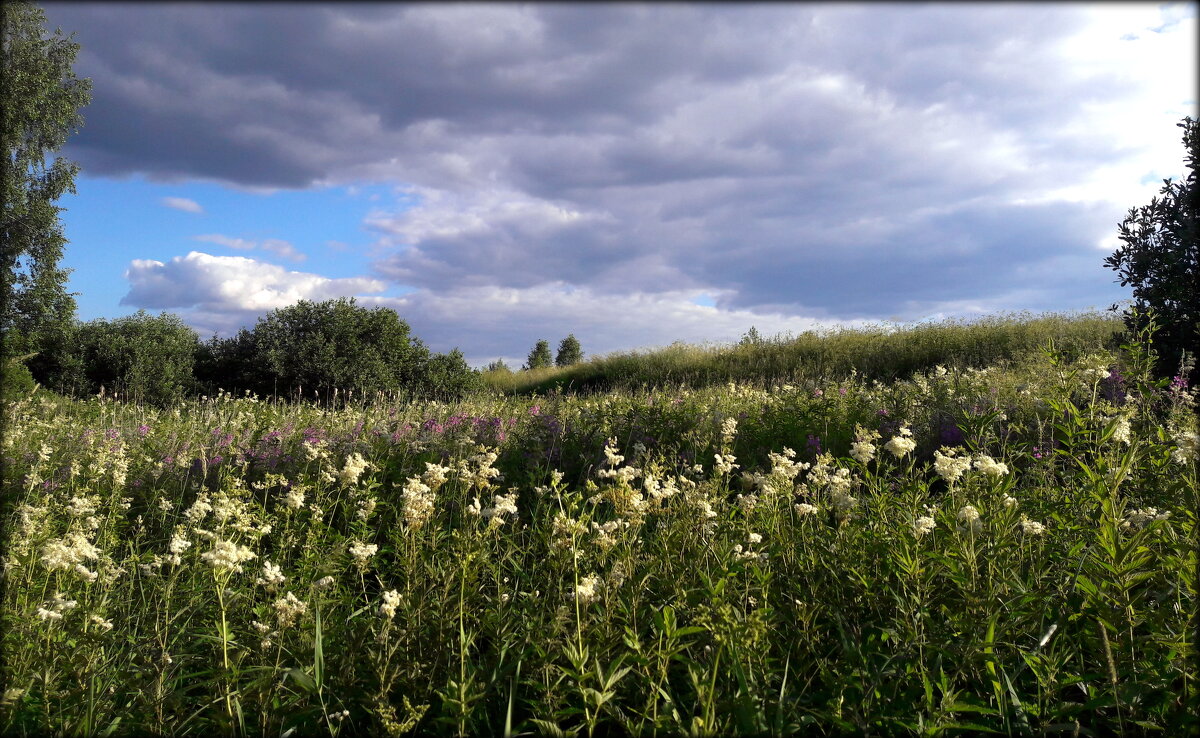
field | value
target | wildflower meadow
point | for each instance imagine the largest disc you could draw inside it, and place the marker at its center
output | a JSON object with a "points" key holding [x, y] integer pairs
{"points": [[1008, 549]]}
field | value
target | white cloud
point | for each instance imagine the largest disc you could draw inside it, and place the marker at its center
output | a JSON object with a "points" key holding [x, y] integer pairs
{"points": [[283, 248], [182, 203], [230, 285], [234, 243]]}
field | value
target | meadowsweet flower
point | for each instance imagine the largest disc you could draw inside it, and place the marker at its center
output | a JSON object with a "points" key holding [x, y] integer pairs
{"points": [[288, 609], [104, 625], [1031, 527], [803, 508], [178, 543], [272, 576], [294, 498], [1009, 501], [501, 504], [417, 499], [924, 525], [362, 552], [391, 601], [1122, 433], [324, 582], [968, 520], [863, 449], [1187, 446], [54, 608], [902, 443], [1140, 518], [352, 470], [754, 538], [728, 430], [724, 463], [69, 551], [990, 466], [588, 589], [949, 465], [227, 556]]}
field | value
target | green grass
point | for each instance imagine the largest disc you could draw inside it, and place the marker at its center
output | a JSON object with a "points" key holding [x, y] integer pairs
{"points": [[745, 568], [878, 352]]}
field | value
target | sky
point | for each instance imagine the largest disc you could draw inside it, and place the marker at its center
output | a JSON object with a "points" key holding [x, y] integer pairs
{"points": [[634, 174]]}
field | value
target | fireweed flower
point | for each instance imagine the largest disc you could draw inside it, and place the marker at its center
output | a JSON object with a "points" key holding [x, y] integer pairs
{"points": [[968, 520], [924, 525], [902, 443]]}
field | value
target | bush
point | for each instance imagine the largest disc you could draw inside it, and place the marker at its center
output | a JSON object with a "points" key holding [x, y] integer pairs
{"points": [[142, 358], [15, 379]]}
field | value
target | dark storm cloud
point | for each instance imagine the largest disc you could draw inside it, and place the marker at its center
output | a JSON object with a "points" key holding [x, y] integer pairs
{"points": [[820, 159]]}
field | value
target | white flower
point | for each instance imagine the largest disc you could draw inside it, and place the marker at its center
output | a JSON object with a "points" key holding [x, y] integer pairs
{"points": [[754, 538], [362, 552], [1009, 501], [862, 451], [391, 601], [288, 609], [968, 520], [728, 430], [324, 582], [1122, 433], [295, 498], [417, 499], [1031, 527], [1140, 518], [227, 556], [105, 625], [724, 464], [803, 508], [501, 504], [990, 466], [586, 592], [1187, 446], [902, 443], [272, 576], [949, 465], [68, 552], [178, 544], [924, 525], [353, 469]]}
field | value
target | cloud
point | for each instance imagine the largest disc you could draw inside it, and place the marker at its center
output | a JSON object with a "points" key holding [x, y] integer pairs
{"points": [[183, 203], [223, 293], [806, 161], [275, 246]]}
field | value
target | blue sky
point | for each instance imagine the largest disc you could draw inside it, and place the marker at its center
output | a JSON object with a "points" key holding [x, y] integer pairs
{"points": [[632, 174]]}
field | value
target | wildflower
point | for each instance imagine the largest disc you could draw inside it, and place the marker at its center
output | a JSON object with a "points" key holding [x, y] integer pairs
{"points": [[178, 544], [53, 609], [1031, 527], [105, 625], [288, 609], [501, 504], [863, 448], [990, 466], [1122, 432], [586, 591], [924, 525], [353, 469], [1009, 501], [724, 464], [728, 430], [324, 582], [949, 465], [294, 498], [362, 552], [67, 552], [754, 538], [227, 556], [968, 520], [418, 502], [272, 576], [901, 443], [803, 508], [1187, 446], [391, 601], [1140, 518]]}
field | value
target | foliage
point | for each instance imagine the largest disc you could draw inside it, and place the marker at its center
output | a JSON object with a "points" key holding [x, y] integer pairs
{"points": [[40, 98], [448, 377], [569, 352], [16, 381], [539, 357], [498, 366], [568, 564], [1160, 258], [141, 357], [313, 347]]}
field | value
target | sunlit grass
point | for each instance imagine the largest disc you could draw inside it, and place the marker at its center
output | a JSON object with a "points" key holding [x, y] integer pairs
{"points": [[1010, 549]]}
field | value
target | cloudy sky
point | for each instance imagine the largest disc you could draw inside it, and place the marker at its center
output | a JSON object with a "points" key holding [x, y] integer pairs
{"points": [[634, 174]]}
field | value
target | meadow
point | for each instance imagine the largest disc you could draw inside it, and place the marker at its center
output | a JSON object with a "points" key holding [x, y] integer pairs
{"points": [[1005, 542]]}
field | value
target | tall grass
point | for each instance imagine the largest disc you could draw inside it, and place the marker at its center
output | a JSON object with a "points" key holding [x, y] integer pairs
{"points": [[879, 352], [1010, 550]]}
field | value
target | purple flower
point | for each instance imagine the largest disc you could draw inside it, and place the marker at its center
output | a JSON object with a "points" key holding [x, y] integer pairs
{"points": [[143, 430], [535, 409], [814, 445]]}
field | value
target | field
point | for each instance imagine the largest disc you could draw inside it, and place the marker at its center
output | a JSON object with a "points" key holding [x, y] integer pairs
{"points": [[935, 550]]}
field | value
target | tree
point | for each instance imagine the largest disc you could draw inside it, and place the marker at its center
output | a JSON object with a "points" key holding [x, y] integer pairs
{"points": [[498, 366], [1160, 258], [569, 352], [539, 357], [40, 98], [337, 344], [141, 357]]}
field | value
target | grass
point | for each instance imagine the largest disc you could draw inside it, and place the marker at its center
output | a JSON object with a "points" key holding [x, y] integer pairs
{"points": [[716, 560]]}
